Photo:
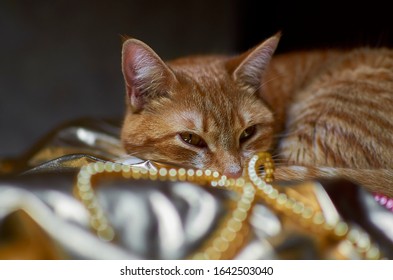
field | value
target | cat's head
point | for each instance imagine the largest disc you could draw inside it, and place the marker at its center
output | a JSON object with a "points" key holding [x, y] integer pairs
{"points": [[201, 112]]}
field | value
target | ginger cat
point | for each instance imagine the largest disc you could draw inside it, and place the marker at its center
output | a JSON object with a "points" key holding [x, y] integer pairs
{"points": [[320, 113]]}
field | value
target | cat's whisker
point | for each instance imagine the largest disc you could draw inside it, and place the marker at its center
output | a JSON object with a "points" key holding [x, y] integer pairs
{"points": [[287, 134], [264, 83], [277, 76], [138, 152]]}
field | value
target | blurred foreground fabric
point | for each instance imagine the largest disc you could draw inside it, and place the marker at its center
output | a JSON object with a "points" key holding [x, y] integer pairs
{"points": [[74, 195]]}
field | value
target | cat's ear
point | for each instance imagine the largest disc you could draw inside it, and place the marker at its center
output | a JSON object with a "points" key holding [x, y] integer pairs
{"points": [[146, 75], [249, 68]]}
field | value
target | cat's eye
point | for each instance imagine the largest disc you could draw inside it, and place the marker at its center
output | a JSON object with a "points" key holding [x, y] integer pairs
{"points": [[247, 133], [193, 139]]}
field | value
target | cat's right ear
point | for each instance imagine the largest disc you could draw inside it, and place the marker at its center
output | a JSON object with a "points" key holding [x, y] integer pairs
{"points": [[146, 76]]}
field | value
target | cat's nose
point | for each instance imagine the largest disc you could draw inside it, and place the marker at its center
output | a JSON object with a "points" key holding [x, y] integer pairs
{"points": [[233, 172]]}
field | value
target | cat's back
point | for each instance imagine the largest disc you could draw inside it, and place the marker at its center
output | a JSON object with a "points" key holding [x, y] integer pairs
{"points": [[361, 78], [343, 115], [363, 65]]}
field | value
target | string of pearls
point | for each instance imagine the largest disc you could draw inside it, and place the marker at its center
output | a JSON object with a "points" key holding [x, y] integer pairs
{"points": [[306, 215], [225, 241], [233, 231]]}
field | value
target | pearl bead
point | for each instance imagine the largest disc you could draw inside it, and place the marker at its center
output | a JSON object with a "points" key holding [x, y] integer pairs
{"points": [[220, 244]]}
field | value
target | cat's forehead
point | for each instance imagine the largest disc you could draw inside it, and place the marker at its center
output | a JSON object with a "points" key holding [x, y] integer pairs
{"points": [[207, 122], [207, 110], [210, 99]]}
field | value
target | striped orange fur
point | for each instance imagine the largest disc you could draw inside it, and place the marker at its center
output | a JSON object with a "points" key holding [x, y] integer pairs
{"points": [[320, 113]]}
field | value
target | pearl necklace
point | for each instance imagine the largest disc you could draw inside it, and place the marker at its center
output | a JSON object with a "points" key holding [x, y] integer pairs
{"points": [[234, 230], [308, 217]]}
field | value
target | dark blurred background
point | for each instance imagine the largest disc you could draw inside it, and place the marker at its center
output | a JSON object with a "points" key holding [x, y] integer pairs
{"points": [[60, 60]]}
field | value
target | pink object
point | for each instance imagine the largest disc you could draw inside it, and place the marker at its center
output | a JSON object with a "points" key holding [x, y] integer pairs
{"points": [[385, 201]]}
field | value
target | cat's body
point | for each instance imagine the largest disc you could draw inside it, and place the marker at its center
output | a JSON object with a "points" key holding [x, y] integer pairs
{"points": [[322, 113]]}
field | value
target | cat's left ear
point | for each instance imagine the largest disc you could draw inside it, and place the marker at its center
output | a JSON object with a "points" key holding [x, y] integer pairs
{"points": [[249, 68]]}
